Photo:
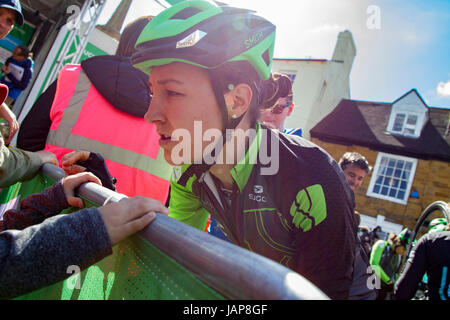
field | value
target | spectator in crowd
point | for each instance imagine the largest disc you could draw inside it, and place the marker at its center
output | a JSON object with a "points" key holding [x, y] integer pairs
{"points": [[17, 72], [368, 237], [355, 167], [279, 106]]}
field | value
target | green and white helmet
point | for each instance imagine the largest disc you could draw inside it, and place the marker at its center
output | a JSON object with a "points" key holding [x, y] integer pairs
{"points": [[405, 236], [206, 35], [437, 225]]}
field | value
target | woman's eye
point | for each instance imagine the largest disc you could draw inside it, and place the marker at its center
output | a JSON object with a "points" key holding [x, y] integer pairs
{"points": [[173, 93]]}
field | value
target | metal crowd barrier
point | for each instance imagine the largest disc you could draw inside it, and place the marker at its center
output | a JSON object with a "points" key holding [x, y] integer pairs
{"points": [[234, 272]]}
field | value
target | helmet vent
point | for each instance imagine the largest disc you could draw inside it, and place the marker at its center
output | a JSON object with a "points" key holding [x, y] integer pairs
{"points": [[185, 13], [266, 57]]}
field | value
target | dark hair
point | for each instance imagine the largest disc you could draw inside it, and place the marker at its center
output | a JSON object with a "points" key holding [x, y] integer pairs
{"points": [[354, 159], [25, 52], [234, 73], [130, 35], [277, 86], [265, 92]]}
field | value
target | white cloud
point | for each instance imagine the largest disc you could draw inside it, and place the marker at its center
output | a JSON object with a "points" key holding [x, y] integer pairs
{"points": [[443, 89]]}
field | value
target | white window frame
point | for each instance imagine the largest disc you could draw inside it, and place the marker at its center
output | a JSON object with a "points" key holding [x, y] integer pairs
{"points": [[405, 124], [375, 176]]}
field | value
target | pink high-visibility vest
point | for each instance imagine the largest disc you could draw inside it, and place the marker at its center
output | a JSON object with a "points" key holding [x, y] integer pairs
{"points": [[82, 119]]}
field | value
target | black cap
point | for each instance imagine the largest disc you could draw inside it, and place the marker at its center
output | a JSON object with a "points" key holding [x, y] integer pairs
{"points": [[13, 5]]}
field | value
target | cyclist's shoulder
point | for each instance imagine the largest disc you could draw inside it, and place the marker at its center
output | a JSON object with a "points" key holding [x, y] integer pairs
{"points": [[299, 154], [182, 177], [295, 144]]}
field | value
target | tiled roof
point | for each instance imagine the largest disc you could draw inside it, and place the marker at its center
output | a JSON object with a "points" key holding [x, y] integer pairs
{"points": [[364, 123]]}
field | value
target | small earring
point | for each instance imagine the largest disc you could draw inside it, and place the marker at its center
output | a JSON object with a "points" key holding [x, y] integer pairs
{"points": [[234, 116], [230, 86]]}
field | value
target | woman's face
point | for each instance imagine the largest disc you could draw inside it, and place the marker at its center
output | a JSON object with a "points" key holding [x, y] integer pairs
{"points": [[182, 95]]}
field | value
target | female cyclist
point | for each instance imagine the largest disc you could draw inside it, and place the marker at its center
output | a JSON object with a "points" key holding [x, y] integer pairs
{"points": [[206, 63]]}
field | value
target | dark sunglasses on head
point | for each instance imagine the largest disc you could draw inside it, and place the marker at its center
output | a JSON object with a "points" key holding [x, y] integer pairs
{"points": [[278, 109]]}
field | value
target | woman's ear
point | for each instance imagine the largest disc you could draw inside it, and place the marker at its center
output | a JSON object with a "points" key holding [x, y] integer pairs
{"points": [[238, 100]]}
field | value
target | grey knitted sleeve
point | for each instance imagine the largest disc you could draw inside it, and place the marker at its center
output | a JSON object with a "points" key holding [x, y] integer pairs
{"points": [[41, 254]]}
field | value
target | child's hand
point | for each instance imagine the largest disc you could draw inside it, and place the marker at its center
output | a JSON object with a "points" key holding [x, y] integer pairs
{"points": [[129, 216], [9, 117], [72, 182], [69, 160]]}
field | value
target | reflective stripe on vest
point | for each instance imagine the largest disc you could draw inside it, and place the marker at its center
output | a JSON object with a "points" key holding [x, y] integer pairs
{"points": [[82, 119]]}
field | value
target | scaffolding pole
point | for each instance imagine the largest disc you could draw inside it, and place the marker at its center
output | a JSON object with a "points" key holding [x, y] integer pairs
{"points": [[78, 36]]}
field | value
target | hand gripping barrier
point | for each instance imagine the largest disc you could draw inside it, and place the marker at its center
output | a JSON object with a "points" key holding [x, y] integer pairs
{"points": [[234, 272]]}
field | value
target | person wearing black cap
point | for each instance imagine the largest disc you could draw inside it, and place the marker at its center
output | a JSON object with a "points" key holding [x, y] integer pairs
{"points": [[10, 13]]}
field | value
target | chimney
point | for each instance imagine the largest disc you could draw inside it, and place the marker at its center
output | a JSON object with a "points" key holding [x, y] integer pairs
{"points": [[345, 49], [114, 25]]}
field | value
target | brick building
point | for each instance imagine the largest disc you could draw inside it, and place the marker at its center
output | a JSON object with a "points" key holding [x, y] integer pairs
{"points": [[408, 145]]}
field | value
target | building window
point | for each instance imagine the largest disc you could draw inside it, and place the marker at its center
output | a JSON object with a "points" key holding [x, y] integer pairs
{"points": [[405, 123], [392, 178]]}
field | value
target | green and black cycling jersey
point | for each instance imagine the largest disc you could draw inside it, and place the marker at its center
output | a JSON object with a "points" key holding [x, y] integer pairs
{"points": [[302, 216]]}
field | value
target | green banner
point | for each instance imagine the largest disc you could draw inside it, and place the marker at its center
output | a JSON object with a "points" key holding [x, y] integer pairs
{"points": [[136, 270]]}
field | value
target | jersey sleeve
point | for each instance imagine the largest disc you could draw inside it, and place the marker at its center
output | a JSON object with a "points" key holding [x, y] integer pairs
{"points": [[185, 206]]}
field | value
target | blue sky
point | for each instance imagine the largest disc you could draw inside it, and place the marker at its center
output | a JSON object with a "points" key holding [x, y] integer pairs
{"points": [[400, 44]]}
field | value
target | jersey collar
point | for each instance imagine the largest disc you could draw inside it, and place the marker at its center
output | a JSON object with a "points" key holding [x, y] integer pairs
{"points": [[242, 170]]}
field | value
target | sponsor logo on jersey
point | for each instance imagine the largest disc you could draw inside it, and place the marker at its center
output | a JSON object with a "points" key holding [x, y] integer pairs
{"points": [[309, 207], [258, 197]]}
